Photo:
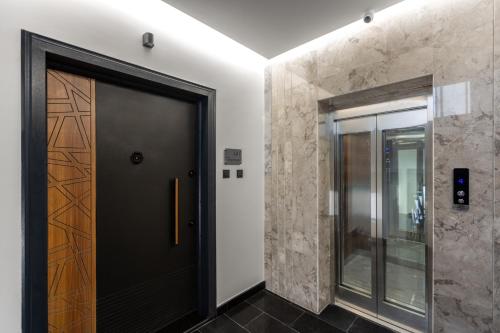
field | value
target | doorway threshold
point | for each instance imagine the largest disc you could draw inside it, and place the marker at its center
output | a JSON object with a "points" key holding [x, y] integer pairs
{"points": [[385, 322]]}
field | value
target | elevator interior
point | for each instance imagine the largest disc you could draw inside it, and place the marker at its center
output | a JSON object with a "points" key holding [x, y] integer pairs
{"points": [[380, 179]]}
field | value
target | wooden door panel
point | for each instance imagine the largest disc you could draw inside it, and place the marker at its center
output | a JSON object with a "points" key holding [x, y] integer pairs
{"points": [[71, 202]]}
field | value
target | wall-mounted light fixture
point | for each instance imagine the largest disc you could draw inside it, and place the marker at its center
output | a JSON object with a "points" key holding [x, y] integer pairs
{"points": [[148, 40]]}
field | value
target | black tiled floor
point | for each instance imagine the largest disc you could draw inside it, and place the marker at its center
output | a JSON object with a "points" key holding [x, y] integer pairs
{"points": [[266, 324], [222, 324], [266, 312], [338, 317], [277, 307], [243, 313], [308, 323]]}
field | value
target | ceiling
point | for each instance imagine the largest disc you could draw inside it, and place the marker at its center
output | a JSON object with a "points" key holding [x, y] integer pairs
{"points": [[271, 27]]}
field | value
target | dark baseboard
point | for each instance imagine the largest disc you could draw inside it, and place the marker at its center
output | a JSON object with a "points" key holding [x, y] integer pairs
{"points": [[240, 298]]}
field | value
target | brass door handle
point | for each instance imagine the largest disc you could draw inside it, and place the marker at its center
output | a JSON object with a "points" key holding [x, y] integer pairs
{"points": [[176, 210]]}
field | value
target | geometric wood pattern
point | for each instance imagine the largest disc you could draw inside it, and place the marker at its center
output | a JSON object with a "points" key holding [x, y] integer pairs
{"points": [[71, 203]]}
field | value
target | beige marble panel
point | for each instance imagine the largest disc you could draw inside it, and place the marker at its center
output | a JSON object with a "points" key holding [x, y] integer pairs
{"points": [[463, 74], [496, 229], [453, 41], [268, 234], [462, 239]]}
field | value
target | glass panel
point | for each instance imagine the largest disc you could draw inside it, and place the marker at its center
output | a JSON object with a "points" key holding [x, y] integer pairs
{"points": [[404, 216], [355, 210]]}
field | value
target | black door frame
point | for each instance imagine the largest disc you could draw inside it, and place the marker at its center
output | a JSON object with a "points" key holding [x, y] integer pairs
{"points": [[39, 53]]}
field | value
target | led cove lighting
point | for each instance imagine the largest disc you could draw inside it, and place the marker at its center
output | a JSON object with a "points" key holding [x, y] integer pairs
{"points": [[348, 30], [166, 21]]}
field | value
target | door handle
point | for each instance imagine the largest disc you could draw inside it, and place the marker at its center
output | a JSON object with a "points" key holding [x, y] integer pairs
{"points": [[176, 210]]}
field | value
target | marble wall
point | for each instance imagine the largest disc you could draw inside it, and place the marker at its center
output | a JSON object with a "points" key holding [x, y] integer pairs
{"points": [[451, 40], [496, 226]]}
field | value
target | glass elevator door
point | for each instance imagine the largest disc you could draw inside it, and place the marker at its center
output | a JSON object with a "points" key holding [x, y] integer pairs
{"points": [[356, 187], [380, 181]]}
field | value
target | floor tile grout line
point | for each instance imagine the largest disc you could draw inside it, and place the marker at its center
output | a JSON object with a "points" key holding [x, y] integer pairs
{"points": [[349, 328], [301, 313], [248, 304], [253, 306], [295, 320], [281, 298], [273, 295], [282, 322], [259, 315], [234, 321], [298, 307]]}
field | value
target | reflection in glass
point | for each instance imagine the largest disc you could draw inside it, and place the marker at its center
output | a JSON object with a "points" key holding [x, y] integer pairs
{"points": [[453, 99], [404, 216], [355, 196]]}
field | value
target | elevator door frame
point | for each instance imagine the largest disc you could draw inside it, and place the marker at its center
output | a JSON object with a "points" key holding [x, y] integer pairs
{"points": [[40, 53], [351, 297]]}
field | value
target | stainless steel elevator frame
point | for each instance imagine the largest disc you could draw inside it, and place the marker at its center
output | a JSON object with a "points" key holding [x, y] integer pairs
{"points": [[376, 305]]}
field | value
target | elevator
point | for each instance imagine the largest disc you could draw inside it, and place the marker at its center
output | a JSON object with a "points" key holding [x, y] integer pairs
{"points": [[381, 157]]}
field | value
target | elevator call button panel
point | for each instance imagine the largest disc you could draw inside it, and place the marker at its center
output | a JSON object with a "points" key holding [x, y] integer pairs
{"points": [[461, 187]]}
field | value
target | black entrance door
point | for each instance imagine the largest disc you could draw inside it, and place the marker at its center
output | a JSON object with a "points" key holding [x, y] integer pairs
{"points": [[146, 209]]}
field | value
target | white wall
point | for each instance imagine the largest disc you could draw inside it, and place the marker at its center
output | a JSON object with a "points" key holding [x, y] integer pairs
{"points": [[185, 49]]}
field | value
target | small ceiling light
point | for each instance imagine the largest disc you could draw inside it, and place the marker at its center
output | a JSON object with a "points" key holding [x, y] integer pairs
{"points": [[368, 17], [148, 40]]}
